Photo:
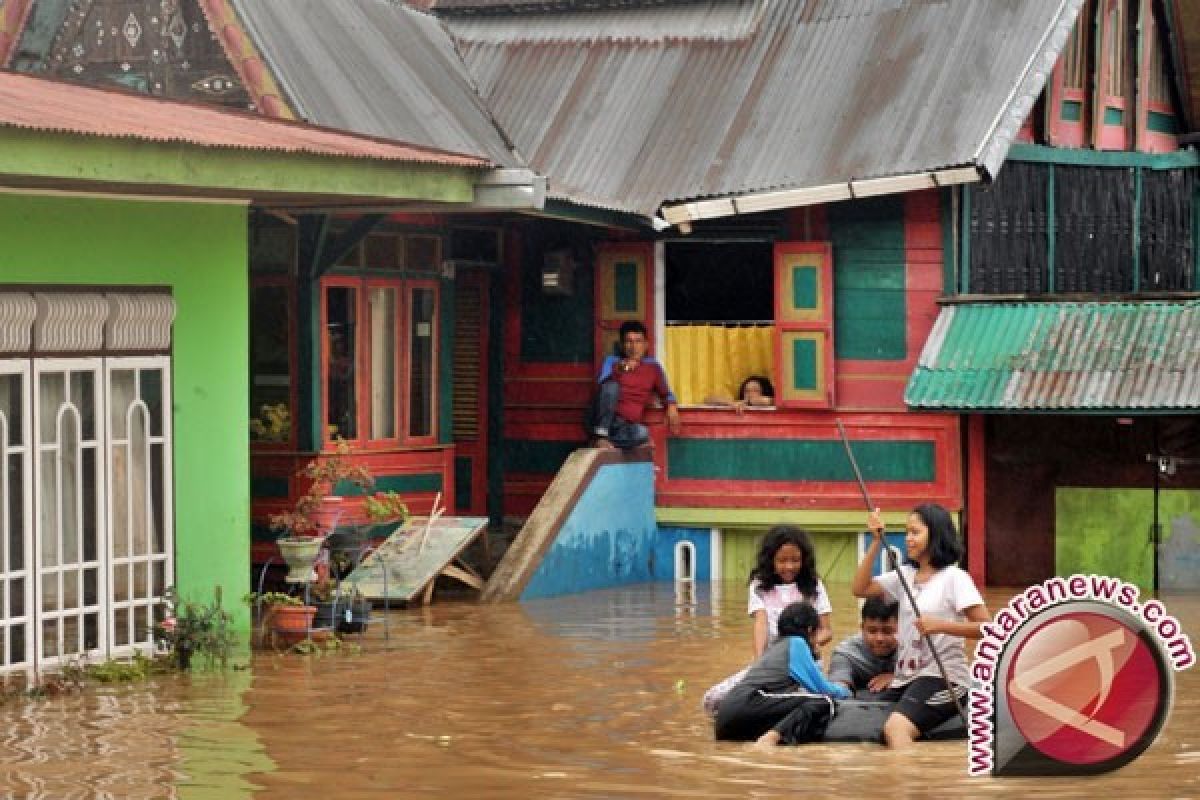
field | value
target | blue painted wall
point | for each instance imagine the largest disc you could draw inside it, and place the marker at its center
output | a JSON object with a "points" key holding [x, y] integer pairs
{"points": [[611, 538]]}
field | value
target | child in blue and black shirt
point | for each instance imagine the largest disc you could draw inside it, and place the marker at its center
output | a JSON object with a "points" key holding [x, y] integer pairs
{"points": [[784, 698]]}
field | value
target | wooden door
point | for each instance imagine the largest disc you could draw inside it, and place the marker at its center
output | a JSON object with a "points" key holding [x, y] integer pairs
{"points": [[470, 392]]}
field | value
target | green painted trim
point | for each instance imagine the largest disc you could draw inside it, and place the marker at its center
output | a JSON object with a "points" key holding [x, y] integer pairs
{"points": [[625, 287], [1071, 111], [964, 270], [804, 288], [1160, 122], [1136, 243], [840, 521], [425, 482], [798, 459], [1113, 116], [946, 199], [1051, 230], [804, 365], [1036, 153], [420, 482], [591, 215], [82, 160]]}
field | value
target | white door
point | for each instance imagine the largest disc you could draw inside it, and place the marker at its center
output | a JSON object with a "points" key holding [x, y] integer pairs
{"points": [[16, 520], [70, 542], [139, 508]]}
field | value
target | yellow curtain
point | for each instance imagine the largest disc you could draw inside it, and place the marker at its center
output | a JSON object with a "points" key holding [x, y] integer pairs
{"points": [[712, 360]]}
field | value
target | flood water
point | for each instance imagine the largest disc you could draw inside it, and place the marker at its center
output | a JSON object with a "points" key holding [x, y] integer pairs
{"points": [[596, 695]]}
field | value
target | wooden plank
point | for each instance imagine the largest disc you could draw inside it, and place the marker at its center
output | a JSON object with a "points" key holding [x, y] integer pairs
{"points": [[409, 562]]}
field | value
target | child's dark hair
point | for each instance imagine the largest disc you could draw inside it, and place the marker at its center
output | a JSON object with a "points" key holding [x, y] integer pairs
{"points": [[764, 567], [762, 380], [944, 548], [879, 609], [798, 619]]}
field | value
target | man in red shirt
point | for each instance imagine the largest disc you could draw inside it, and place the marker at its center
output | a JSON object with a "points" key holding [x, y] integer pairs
{"points": [[627, 385]]}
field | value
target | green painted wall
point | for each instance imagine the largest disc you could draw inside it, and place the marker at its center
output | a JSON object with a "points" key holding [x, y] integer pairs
{"points": [[868, 278], [796, 459], [199, 250], [1107, 532], [837, 556]]}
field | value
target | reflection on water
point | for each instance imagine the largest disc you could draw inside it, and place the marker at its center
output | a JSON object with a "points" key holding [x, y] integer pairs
{"points": [[595, 695]]}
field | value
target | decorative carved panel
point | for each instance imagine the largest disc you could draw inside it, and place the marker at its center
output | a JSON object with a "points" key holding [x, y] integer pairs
{"points": [[161, 47]]}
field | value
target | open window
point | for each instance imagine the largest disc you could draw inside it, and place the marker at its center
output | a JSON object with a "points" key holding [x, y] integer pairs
{"points": [[379, 360], [737, 309]]}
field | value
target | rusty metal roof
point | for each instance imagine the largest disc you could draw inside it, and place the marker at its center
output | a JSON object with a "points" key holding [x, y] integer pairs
{"points": [[1061, 356], [375, 67], [802, 93], [49, 105]]}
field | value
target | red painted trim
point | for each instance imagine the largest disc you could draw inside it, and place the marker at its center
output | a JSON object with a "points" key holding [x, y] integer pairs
{"points": [[824, 325], [13, 17], [245, 59], [976, 521], [293, 382], [406, 375], [1149, 38], [1063, 132]]}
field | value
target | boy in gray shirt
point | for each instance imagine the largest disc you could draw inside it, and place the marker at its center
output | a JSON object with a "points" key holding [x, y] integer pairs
{"points": [[865, 661]]}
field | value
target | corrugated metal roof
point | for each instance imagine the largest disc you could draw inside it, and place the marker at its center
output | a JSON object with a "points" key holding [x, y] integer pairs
{"points": [[374, 67], [816, 92], [47, 105], [1061, 356]]}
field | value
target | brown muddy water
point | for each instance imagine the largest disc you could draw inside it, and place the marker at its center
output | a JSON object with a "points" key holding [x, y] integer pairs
{"points": [[590, 696]]}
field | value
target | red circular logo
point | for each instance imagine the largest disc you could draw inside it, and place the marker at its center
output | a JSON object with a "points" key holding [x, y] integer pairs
{"points": [[1085, 688]]}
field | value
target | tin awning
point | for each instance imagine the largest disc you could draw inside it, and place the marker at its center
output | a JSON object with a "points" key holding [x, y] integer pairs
{"points": [[1066, 357]]}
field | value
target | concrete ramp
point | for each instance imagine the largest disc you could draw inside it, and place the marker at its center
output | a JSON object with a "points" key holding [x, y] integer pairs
{"points": [[586, 532]]}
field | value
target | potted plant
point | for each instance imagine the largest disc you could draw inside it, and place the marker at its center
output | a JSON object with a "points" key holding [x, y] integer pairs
{"points": [[188, 629], [315, 515], [287, 617], [311, 519], [340, 608]]}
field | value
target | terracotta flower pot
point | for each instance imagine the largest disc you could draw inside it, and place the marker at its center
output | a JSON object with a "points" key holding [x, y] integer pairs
{"points": [[291, 624]]}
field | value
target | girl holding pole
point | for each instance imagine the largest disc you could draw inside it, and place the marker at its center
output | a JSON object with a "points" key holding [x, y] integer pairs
{"points": [[931, 677]]}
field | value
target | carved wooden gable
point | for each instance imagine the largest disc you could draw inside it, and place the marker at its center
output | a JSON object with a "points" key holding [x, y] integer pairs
{"points": [[161, 47]]}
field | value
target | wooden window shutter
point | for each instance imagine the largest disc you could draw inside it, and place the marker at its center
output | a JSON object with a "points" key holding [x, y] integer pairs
{"points": [[804, 324], [1067, 92], [622, 292], [1110, 114]]}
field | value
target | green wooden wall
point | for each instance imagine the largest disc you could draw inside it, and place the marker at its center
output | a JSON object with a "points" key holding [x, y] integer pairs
{"points": [[1107, 532], [868, 279], [798, 459], [837, 557], [199, 250]]}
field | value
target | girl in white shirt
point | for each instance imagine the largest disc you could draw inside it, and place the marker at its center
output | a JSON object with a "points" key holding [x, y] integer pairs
{"points": [[950, 609], [784, 572]]}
